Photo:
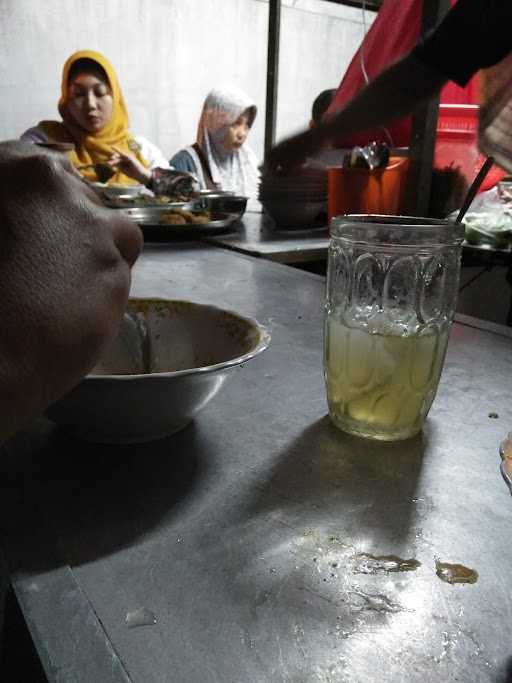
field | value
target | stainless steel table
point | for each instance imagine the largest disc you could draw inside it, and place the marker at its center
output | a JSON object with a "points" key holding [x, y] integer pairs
{"points": [[256, 235], [486, 258], [243, 534]]}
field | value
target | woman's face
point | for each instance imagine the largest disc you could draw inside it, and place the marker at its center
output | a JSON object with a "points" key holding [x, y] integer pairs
{"points": [[90, 101], [237, 133]]}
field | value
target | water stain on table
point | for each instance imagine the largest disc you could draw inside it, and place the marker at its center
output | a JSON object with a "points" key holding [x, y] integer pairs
{"points": [[455, 573], [372, 564]]}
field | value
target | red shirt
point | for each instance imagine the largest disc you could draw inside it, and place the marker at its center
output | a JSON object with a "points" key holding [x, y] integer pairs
{"points": [[473, 35]]}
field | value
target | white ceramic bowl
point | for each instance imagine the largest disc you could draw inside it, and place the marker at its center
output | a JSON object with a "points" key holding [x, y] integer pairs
{"points": [[116, 191], [193, 349]]}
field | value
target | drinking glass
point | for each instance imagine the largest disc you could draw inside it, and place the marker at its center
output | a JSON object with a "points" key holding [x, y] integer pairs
{"points": [[392, 286]]}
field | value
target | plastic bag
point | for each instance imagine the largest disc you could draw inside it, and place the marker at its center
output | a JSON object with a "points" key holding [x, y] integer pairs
{"points": [[488, 220]]}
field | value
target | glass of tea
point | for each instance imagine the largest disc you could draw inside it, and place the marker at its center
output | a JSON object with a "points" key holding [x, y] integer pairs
{"points": [[392, 286]]}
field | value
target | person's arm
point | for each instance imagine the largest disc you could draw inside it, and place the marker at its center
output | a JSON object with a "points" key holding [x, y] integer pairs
{"points": [[130, 166], [65, 264], [394, 93]]}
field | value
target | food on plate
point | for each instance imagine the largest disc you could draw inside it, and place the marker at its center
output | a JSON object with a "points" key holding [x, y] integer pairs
{"points": [[165, 199], [146, 200], [182, 217], [172, 218]]}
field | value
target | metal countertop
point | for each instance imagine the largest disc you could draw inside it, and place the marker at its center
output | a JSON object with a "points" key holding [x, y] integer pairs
{"points": [[242, 534], [256, 235]]}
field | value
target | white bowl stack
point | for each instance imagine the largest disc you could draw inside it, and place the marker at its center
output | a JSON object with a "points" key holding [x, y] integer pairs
{"points": [[295, 201]]}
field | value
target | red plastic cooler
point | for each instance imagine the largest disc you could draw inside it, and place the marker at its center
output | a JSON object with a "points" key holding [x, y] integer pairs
{"points": [[457, 143]]}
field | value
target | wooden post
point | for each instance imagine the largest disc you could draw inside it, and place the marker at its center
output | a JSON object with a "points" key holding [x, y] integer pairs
{"points": [[424, 125], [274, 22]]}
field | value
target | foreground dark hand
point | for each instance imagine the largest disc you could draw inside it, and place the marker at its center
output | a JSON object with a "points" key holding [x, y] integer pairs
{"points": [[64, 276], [292, 152]]}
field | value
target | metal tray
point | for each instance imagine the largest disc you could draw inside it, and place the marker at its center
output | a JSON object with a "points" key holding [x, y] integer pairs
{"points": [[149, 220], [136, 202]]}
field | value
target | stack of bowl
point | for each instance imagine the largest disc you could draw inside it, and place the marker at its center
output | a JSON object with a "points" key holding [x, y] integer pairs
{"points": [[220, 202], [296, 201]]}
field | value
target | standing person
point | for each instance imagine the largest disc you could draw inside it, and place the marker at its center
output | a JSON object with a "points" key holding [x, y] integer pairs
{"points": [[321, 104], [475, 34], [95, 119], [219, 158]]}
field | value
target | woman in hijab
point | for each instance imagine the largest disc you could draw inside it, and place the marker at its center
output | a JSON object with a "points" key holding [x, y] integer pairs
{"points": [[95, 121], [219, 158]]}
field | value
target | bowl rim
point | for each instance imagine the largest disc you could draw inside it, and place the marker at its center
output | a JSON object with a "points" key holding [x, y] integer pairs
{"points": [[263, 343], [117, 190]]}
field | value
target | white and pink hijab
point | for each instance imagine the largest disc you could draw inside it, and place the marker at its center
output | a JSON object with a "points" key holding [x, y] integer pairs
{"points": [[235, 171]]}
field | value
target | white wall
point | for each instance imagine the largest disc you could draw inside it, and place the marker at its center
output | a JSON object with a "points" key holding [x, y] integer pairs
{"points": [[168, 54], [318, 41]]}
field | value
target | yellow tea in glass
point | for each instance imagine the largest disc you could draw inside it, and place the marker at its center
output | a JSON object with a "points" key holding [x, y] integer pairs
{"points": [[391, 293]]}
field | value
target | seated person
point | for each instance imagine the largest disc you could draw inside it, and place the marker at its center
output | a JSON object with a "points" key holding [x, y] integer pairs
{"points": [[95, 120], [320, 106], [219, 158]]}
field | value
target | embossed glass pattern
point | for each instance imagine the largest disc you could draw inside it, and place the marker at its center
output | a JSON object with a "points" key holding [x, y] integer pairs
{"points": [[392, 287]]}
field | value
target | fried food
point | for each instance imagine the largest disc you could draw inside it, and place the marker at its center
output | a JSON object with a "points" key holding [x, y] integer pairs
{"points": [[202, 217], [182, 217], [172, 218], [165, 199]]}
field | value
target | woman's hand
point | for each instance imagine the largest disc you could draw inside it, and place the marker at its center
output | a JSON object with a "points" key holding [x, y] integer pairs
{"points": [[130, 166]]}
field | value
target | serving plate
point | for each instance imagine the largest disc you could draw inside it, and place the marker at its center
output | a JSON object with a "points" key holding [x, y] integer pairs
{"points": [[148, 218], [145, 202]]}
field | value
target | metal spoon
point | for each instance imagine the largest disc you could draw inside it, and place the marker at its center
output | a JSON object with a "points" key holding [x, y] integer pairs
{"points": [[130, 353], [473, 189]]}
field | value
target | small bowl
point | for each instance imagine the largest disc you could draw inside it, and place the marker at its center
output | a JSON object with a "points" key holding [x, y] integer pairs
{"points": [[192, 350], [215, 193], [117, 191], [296, 214], [222, 203]]}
